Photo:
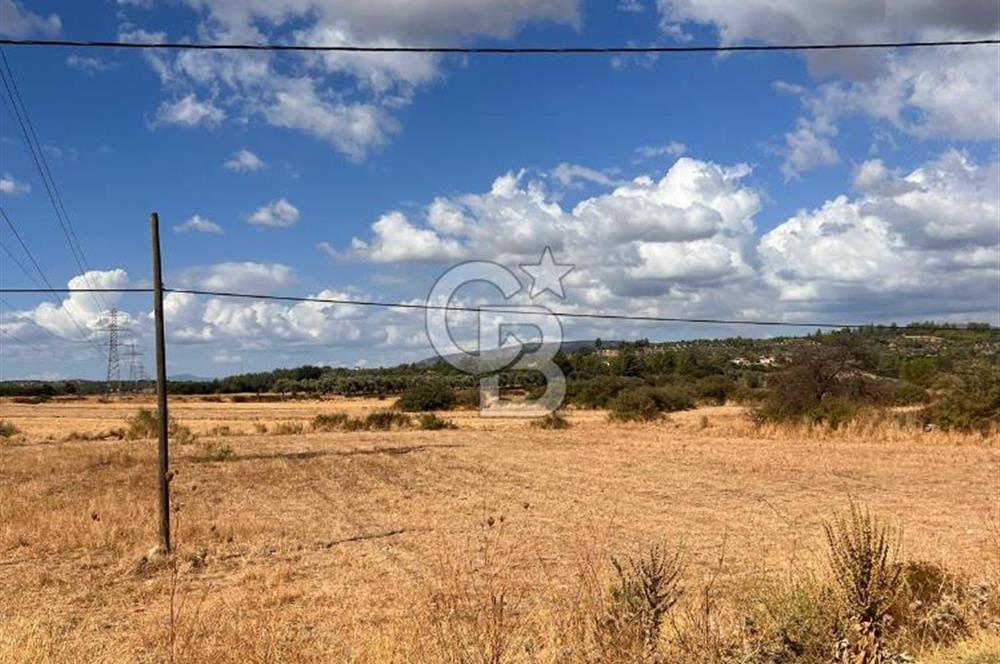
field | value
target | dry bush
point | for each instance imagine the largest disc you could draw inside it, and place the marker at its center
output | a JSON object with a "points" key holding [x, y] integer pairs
{"points": [[871, 425], [937, 607], [287, 428], [32, 401], [214, 452], [259, 428], [982, 648], [551, 421], [862, 553], [646, 587], [8, 429], [144, 424], [380, 420], [329, 421], [220, 431], [84, 436], [257, 398], [433, 422], [789, 618], [648, 404]]}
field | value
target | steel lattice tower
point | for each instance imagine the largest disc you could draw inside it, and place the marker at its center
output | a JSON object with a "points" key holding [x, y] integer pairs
{"points": [[114, 380], [136, 372]]}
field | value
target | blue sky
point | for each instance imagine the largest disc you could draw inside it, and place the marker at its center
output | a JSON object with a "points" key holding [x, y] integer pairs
{"points": [[845, 187]]}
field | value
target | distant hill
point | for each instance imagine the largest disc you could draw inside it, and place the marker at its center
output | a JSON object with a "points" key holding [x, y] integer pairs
{"points": [[566, 347], [186, 377]]}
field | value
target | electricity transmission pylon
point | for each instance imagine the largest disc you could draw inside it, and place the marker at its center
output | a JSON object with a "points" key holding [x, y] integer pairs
{"points": [[136, 372], [114, 380]]}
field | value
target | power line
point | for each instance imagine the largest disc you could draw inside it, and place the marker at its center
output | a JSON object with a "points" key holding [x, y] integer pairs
{"points": [[507, 309], [493, 50], [45, 280], [37, 326], [20, 341], [28, 291], [44, 329], [30, 138], [18, 263]]}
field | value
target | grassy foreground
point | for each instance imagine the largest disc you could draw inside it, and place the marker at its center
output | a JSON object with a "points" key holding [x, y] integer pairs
{"points": [[493, 542]]}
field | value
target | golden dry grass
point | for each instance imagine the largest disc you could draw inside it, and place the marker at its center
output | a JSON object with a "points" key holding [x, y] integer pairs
{"points": [[379, 546]]}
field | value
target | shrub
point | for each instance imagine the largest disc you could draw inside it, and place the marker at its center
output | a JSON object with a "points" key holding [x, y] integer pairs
{"points": [[933, 603], [551, 421], [907, 394], [215, 452], [862, 553], [432, 422], [714, 389], [599, 392], [287, 428], [919, 370], [85, 436], [8, 429], [467, 399], [426, 396], [32, 401], [814, 375], [788, 619], [329, 421], [646, 404], [834, 412], [380, 420], [259, 427], [635, 406], [384, 420], [180, 434], [646, 587], [969, 401], [145, 424]]}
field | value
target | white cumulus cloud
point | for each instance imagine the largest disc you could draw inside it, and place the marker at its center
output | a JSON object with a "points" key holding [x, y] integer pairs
{"points": [[239, 276], [16, 21], [927, 239], [276, 214], [244, 161], [200, 224], [78, 316], [685, 243], [9, 186], [189, 111], [346, 100], [945, 92]]}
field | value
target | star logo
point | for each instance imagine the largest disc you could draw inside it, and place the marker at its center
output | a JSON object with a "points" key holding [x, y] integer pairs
{"points": [[547, 275]]}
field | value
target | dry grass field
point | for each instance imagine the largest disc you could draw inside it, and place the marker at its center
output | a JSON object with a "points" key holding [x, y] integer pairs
{"points": [[378, 546]]}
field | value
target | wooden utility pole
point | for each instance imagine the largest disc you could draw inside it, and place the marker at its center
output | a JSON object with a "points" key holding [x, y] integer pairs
{"points": [[161, 387]]}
